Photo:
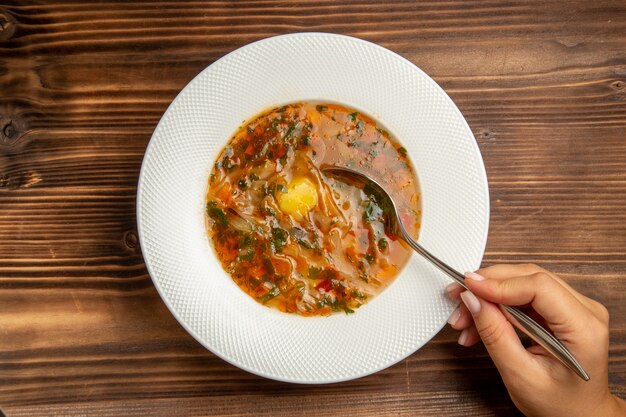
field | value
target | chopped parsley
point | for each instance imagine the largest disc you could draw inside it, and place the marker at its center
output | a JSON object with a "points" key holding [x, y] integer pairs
{"points": [[314, 272], [274, 292], [246, 256], [279, 238], [372, 211], [216, 214], [358, 294], [304, 243]]}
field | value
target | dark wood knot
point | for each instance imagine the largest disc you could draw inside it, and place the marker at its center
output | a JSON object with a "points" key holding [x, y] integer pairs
{"points": [[486, 134], [20, 180], [11, 130], [618, 85], [130, 239], [7, 25]]}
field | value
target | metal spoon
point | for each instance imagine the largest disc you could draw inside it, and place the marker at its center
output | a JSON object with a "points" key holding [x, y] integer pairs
{"points": [[519, 319]]}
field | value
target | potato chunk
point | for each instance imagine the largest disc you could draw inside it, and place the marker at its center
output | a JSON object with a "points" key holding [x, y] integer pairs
{"points": [[300, 198]]}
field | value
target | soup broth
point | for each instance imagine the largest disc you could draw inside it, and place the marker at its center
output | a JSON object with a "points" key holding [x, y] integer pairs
{"points": [[295, 239]]}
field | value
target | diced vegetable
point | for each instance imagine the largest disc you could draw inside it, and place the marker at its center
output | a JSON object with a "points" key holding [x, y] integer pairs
{"points": [[300, 197]]}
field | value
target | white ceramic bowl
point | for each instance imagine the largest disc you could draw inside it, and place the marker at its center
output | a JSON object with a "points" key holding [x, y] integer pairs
{"points": [[173, 183]]}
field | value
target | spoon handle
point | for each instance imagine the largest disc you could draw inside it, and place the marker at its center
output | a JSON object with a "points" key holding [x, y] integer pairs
{"points": [[519, 319]]}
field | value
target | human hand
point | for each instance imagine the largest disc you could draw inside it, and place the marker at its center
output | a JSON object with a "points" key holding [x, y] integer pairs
{"points": [[539, 384]]}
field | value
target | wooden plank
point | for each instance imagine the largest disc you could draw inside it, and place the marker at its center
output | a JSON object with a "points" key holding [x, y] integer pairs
{"points": [[82, 86]]}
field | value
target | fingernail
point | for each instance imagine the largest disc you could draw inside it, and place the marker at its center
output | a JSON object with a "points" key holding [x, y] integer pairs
{"points": [[474, 276], [455, 316], [463, 337], [451, 287], [471, 302]]}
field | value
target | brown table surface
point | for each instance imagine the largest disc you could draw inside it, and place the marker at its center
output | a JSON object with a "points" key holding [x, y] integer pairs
{"points": [[82, 86]]}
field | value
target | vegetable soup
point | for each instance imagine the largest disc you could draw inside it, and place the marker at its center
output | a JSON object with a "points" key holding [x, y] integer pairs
{"points": [[298, 240]]}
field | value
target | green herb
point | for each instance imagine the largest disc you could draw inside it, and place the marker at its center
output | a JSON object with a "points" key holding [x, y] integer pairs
{"points": [[241, 146], [402, 150], [250, 129], [334, 304], [334, 220], [216, 214], [358, 294], [348, 310], [227, 163], [281, 187], [372, 211], [360, 126], [271, 294], [290, 130], [274, 125], [324, 301], [279, 238], [314, 272], [382, 243], [370, 258], [264, 150], [353, 116], [253, 177], [304, 243], [317, 241], [321, 108], [246, 241], [242, 183], [247, 255], [305, 140]]}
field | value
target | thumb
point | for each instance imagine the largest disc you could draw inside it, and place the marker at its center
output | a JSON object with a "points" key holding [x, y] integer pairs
{"points": [[498, 335]]}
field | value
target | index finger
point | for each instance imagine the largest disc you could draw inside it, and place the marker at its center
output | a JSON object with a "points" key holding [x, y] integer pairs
{"points": [[505, 271], [563, 312]]}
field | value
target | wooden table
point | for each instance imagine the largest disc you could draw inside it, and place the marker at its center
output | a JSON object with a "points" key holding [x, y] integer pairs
{"points": [[82, 86]]}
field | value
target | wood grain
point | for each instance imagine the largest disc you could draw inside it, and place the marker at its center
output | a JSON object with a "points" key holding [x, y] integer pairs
{"points": [[82, 86]]}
